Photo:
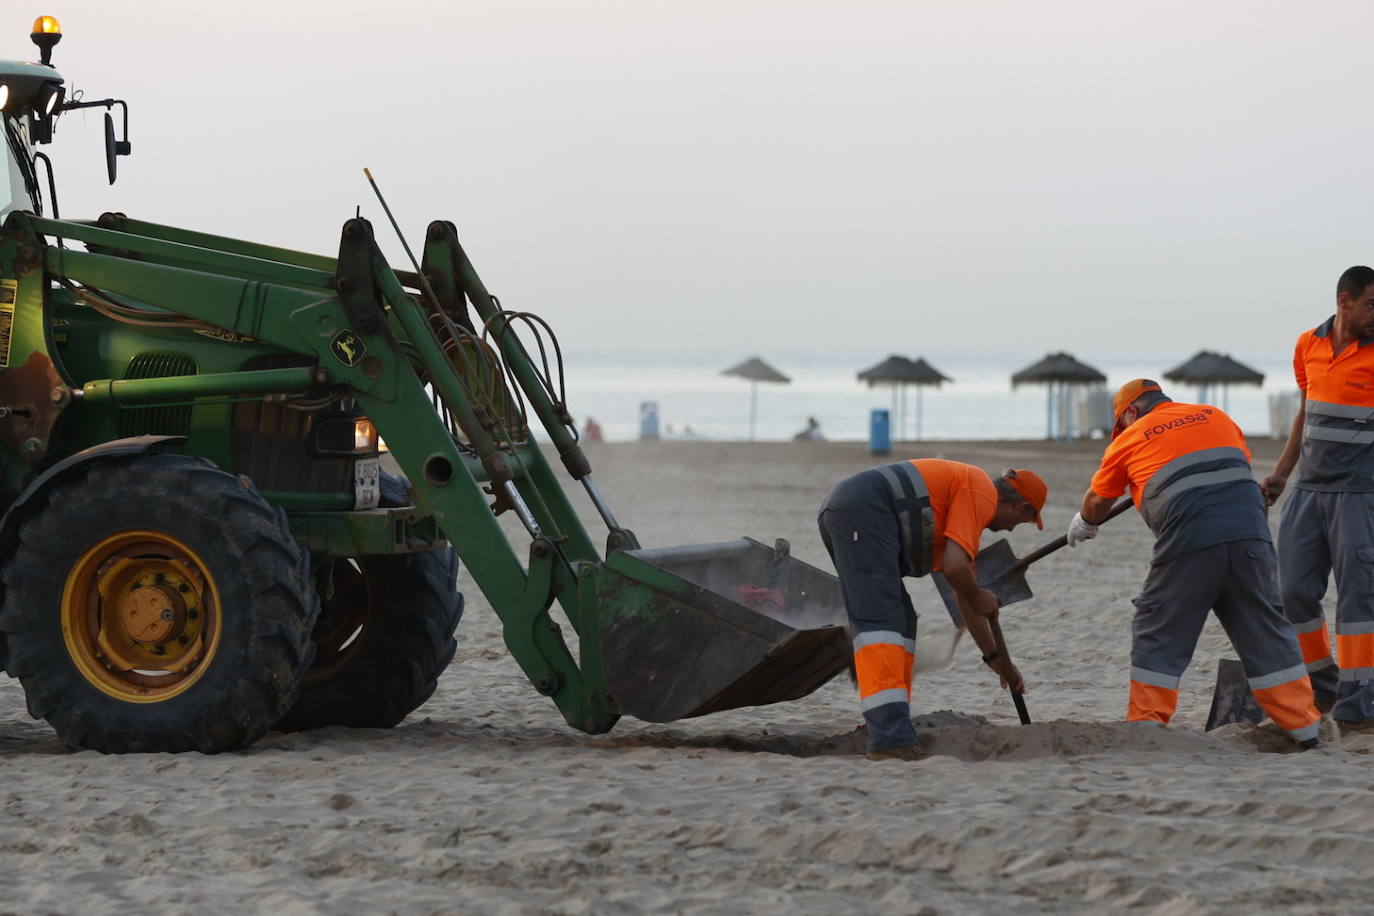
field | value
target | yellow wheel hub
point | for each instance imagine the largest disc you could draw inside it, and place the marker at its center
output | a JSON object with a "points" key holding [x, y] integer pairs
{"points": [[140, 616]]}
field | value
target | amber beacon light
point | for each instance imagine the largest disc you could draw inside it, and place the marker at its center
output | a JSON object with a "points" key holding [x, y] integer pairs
{"points": [[47, 32]]}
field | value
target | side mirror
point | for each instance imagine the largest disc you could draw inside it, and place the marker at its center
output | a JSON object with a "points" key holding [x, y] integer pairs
{"points": [[115, 148], [111, 155]]}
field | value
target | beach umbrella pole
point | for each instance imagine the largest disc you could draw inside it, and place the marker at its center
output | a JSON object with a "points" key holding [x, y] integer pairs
{"points": [[753, 407], [918, 411]]}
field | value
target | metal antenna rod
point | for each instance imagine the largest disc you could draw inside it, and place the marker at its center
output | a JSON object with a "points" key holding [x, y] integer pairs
{"points": [[424, 283], [522, 508]]}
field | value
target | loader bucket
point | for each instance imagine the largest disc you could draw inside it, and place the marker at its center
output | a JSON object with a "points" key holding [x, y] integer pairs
{"points": [[687, 631]]}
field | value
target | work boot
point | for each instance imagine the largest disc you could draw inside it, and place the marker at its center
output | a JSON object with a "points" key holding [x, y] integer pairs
{"points": [[1328, 735], [1356, 728], [905, 752]]}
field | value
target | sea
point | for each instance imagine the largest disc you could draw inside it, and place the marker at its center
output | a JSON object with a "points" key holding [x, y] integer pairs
{"points": [[686, 397]]}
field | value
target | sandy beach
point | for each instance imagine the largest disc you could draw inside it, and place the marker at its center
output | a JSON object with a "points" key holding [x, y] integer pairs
{"points": [[483, 801]]}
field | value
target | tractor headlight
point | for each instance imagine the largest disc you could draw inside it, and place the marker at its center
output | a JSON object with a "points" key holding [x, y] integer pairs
{"points": [[48, 100], [343, 434], [364, 435]]}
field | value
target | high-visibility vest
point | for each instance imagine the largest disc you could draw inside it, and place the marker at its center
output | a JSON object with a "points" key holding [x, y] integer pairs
{"points": [[1338, 433], [1190, 476]]}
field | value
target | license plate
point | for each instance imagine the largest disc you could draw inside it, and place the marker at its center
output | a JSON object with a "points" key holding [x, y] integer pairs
{"points": [[366, 493]]}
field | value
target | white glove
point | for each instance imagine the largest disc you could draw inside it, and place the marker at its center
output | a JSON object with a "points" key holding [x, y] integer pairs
{"points": [[1080, 530]]}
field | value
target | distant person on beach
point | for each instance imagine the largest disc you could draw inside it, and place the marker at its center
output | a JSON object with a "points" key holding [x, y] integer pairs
{"points": [[1188, 469], [1327, 525], [592, 432], [812, 433], [910, 519]]}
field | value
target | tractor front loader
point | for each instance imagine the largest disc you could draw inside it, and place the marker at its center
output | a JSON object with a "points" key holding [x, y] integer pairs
{"points": [[197, 541]]}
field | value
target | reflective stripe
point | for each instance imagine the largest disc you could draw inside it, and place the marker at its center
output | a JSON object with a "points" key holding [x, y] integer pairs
{"points": [[1344, 411], [1308, 626], [1201, 456], [893, 481], [1331, 434], [1277, 678], [1307, 732], [1354, 628], [1174, 477], [884, 697], [1155, 679], [884, 637], [1319, 664], [1206, 478], [1357, 674], [918, 555]]}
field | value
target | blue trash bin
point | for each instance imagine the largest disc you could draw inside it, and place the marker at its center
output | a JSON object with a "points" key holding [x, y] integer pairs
{"points": [[879, 432], [648, 420]]}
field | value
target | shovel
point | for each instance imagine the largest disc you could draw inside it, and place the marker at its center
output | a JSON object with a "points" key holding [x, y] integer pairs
{"points": [[1232, 700], [1016, 696], [1004, 574]]}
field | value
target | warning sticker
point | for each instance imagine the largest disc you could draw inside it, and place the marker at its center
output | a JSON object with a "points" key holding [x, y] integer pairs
{"points": [[8, 291]]}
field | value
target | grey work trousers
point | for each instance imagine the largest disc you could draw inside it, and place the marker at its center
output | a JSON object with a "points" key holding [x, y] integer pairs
{"points": [[1236, 580], [1321, 534]]}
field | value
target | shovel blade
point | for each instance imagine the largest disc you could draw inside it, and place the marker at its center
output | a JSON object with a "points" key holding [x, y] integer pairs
{"points": [[1232, 700], [999, 573]]}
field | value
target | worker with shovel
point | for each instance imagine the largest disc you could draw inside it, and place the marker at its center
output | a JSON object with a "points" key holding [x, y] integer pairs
{"points": [[1188, 470], [910, 519]]}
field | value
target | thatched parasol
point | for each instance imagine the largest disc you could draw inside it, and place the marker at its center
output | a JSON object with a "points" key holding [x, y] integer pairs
{"points": [[755, 370], [1208, 370], [899, 372], [1059, 372]]}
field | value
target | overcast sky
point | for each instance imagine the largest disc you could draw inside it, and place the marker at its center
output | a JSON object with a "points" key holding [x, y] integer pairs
{"points": [[775, 177]]}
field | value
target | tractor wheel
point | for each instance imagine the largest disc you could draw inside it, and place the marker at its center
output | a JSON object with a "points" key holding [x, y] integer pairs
{"points": [[157, 604], [384, 636]]}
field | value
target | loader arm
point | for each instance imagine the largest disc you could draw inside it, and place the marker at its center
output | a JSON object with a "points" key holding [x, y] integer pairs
{"points": [[308, 318], [662, 634]]}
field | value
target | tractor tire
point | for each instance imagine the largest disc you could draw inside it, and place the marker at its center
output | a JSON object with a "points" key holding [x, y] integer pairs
{"points": [[157, 604], [384, 636]]}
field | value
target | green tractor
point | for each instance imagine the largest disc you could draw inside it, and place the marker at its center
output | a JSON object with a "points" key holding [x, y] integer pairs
{"points": [[198, 542]]}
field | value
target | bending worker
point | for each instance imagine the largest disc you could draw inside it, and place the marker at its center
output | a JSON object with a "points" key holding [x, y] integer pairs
{"points": [[909, 519], [1188, 469], [1328, 521]]}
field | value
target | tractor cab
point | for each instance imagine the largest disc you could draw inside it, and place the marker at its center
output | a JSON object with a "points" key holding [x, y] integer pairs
{"points": [[32, 96], [26, 90]]}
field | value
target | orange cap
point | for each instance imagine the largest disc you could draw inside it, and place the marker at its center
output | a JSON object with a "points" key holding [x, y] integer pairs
{"points": [[1126, 396], [1031, 488]]}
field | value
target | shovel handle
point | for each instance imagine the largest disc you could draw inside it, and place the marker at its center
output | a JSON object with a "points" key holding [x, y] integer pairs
{"points": [[1016, 696], [1022, 713], [1041, 552]]}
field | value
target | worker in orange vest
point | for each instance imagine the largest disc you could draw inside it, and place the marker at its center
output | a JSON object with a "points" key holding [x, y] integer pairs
{"points": [[1327, 524], [1188, 470], [910, 519]]}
